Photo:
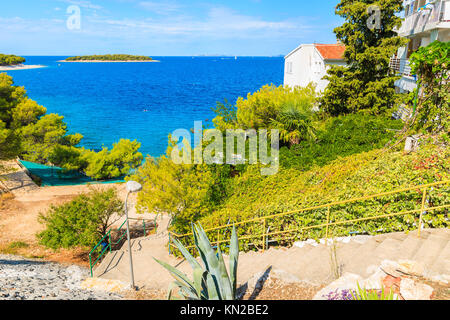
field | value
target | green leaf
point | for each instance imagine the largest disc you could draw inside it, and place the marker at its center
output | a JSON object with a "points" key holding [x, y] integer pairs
{"points": [[194, 264], [224, 280], [234, 257], [178, 275]]}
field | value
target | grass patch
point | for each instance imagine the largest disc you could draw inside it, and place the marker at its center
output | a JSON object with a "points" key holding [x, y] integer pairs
{"points": [[5, 197], [14, 247]]}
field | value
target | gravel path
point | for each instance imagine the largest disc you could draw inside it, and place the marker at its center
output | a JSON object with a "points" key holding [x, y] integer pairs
{"points": [[29, 279]]}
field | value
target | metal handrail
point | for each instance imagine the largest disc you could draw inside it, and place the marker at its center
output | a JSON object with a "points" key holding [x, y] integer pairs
{"points": [[326, 225], [110, 243]]}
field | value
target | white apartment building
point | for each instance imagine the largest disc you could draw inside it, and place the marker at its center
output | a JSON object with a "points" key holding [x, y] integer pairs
{"points": [[424, 22], [309, 63]]}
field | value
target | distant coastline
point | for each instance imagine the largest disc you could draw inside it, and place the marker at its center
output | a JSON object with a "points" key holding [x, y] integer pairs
{"points": [[21, 67]]}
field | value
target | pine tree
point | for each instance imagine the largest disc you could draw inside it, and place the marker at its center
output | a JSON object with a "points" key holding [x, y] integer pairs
{"points": [[368, 33]]}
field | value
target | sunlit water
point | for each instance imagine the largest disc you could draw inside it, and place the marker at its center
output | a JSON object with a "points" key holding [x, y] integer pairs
{"points": [[142, 101]]}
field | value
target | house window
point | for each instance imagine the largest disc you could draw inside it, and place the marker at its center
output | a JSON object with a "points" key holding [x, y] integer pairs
{"points": [[288, 67]]}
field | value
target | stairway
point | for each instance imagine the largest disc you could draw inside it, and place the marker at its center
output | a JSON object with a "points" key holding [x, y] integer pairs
{"points": [[310, 263]]}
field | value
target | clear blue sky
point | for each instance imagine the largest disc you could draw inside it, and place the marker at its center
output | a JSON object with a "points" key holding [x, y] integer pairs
{"points": [[167, 27]]}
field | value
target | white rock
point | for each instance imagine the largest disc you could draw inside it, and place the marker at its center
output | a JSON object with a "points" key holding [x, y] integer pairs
{"points": [[299, 244], [441, 278], [375, 281], [372, 268], [411, 290], [312, 242], [346, 239], [348, 281], [411, 267], [391, 267], [361, 238]]}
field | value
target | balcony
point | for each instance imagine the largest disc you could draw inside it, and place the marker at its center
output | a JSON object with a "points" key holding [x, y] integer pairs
{"points": [[426, 19], [401, 67]]}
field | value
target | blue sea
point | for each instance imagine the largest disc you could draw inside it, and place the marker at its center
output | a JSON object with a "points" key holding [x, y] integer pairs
{"points": [[143, 101]]}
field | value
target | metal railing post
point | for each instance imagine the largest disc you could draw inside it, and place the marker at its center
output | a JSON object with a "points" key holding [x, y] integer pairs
{"points": [[145, 233], [326, 229], [218, 239], [90, 265], [264, 235], [424, 196], [170, 243], [110, 243]]}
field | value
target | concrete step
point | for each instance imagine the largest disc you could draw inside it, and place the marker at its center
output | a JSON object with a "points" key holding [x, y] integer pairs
{"points": [[358, 262], [398, 235], [442, 263], [388, 249], [443, 232], [344, 252], [109, 262], [430, 250], [409, 246], [316, 267]]}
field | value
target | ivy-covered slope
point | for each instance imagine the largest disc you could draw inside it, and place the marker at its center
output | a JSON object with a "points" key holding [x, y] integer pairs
{"points": [[345, 178]]}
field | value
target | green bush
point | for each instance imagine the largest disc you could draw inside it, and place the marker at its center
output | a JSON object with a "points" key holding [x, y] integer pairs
{"points": [[431, 64], [81, 222], [259, 109]]}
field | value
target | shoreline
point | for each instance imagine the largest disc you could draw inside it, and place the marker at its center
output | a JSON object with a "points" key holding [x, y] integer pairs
{"points": [[21, 67], [107, 61]]}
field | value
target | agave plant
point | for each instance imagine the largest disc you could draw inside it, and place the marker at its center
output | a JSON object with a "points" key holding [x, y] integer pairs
{"points": [[210, 279]]}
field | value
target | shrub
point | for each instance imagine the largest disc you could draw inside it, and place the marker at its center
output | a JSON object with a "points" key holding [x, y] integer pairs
{"points": [[295, 123], [431, 65], [82, 221], [260, 108]]}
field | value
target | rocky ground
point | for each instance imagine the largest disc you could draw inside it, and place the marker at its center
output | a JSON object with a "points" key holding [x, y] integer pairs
{"points": [[29, 279]]}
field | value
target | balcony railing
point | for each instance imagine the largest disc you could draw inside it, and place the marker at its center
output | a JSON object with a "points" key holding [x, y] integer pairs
{"points": [[401, 67], [426, 18]]}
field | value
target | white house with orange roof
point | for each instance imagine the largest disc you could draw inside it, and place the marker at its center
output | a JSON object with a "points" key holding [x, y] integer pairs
{"points": [[309, 63]]}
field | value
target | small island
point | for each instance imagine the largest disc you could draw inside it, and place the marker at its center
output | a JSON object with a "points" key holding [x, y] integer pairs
{"points": [[12, 62], [110, 58]]}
